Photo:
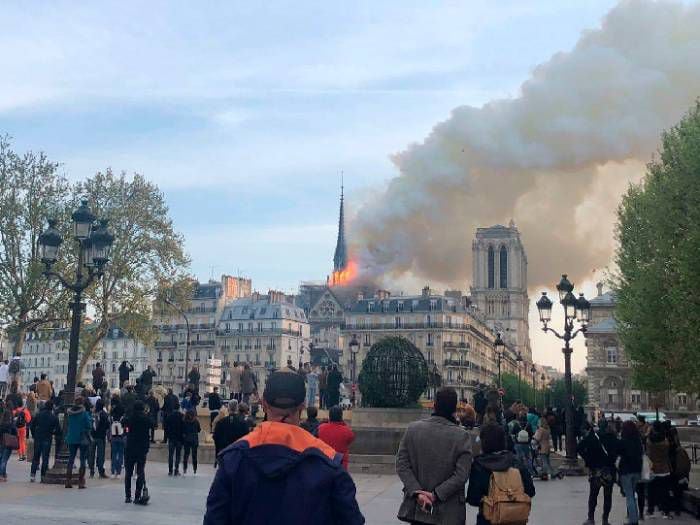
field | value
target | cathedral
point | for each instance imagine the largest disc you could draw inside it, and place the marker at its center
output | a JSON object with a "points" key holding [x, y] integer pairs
{"points": [[499, 284]]}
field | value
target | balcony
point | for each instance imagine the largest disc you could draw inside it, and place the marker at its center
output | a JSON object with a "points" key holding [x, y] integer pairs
{"points": [[165, 344], [455, 345], [453, 362], [207, 342], [254, 331], [405, 326]]}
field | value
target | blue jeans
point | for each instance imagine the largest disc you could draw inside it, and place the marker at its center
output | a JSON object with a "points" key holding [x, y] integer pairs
{"points": [[5, 454], [311, 397], [629, 484], [522, 452], [117, 456], [73, 451], [41, 451]]}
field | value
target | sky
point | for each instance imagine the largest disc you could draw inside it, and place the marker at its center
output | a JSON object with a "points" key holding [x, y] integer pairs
{"points": [[246, 115]]}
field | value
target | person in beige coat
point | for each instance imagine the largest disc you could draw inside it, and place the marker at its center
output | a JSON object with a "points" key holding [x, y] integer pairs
{"points": [[543, 438], [235, 382], [433, 463]]}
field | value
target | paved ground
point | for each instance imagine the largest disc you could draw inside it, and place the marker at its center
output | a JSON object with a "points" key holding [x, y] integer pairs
{"points": [[181, 501]]}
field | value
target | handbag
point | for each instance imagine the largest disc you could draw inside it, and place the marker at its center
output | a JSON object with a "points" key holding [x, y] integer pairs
{"points": [[10, 441]]}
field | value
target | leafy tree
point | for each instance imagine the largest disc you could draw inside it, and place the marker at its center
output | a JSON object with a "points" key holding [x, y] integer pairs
{"points": [[658, 233], [30, 190], [146, 256], [556, 393]]}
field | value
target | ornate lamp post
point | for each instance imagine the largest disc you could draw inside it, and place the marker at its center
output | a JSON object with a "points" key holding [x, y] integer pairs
{"points": [[579, 309], [519, 360], [354, 348], [94, 245], [533, 371], [499, 347], [542, 386]]}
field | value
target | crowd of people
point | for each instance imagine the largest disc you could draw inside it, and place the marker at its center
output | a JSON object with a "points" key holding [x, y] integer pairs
{"points": [[484, 455]]}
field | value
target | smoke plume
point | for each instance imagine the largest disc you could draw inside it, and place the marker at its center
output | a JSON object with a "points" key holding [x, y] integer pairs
{"points": [[555, 158]]}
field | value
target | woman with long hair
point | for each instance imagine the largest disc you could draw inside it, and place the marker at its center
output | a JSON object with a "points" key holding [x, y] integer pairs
{"points": [[190, 437], [658, 450]]}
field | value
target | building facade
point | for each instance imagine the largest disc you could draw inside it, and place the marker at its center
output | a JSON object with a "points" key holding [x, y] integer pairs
{"points": [[609, 372], [173, 358], [445, 328], [46, 352], [266, 331], [499, 284]]}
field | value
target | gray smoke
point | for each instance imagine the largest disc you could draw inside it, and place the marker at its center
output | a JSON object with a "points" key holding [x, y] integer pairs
{"points": [[555, 159]]}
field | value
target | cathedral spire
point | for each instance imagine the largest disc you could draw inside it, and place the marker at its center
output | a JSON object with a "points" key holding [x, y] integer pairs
{"points": [[340, 258]]}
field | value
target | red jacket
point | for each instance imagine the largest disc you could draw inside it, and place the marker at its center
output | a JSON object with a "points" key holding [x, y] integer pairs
{"points": [[339, 436]]}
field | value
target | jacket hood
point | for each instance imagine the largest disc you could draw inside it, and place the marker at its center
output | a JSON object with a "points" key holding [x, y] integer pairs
{"points": [[496, 461], [73, 410], [277, 448]]}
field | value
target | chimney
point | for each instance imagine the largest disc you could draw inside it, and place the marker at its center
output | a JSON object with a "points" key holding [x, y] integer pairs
{"points": [[360, 296], [600, 288], [383, 294], [426, 291]]}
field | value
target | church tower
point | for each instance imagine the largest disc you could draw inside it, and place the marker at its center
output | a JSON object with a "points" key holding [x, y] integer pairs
{"points": [[340, 258], [499, 284]]}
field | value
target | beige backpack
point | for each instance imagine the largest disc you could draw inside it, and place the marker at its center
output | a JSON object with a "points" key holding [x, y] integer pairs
{"points": [[506, 502]]}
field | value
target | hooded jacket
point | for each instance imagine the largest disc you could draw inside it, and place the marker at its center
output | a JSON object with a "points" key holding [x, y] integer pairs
{"points": [[228, 430], [480, 478], [44, 425], [285, 464], [79, 423]]}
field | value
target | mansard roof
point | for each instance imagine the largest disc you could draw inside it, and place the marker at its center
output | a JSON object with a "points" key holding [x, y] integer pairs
{"points": [[606, 326], [606, 299]]}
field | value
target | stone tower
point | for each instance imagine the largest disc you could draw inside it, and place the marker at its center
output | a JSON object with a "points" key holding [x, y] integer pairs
{"points": [[499, 284]]}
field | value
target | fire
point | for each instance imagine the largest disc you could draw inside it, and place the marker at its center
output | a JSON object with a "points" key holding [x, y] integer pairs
{"points": [[346, 276]]}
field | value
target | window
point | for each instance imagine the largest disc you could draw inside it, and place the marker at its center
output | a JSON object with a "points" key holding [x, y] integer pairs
{"points": [[682, 400], [503, 264], [367, 340], [429, 341], [370, 307], [397, 322], [433, 305], [491, 267], [636, 397], [611, 355], [399, 306]]}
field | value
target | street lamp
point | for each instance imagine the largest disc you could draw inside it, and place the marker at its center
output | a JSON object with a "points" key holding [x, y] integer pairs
{"points": [[354, 348], [533, 371], [94, 246], [519, 360], [579, 309], [542, 378], [499, 348]]}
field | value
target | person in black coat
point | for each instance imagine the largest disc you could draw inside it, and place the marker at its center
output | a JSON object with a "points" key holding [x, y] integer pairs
{"points": [[335, 378], [190, 440], [138, 427], [153, 409], [173, 429], [124, 369], [44, 427], [100, 427], [214, 403], [494, 457], [229, 430], [599, 452]]}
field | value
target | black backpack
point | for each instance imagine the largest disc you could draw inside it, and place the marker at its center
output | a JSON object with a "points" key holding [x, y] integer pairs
{"points": [[20, 419]]}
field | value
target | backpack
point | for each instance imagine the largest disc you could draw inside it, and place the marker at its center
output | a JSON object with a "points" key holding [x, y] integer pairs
{"points": [[682, 464], [21, 419], [15, 366], [116, 429], [506, 502], [523, 437]]}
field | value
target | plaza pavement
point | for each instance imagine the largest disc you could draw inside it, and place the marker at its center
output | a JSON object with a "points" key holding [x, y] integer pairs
{"points": [[181, 500]]}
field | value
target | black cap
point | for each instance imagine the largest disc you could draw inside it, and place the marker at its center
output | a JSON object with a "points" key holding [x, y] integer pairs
{"points": [[285, 389]]}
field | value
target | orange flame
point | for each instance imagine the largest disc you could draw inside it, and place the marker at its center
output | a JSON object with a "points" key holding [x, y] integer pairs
{"points": [[346, 276]]}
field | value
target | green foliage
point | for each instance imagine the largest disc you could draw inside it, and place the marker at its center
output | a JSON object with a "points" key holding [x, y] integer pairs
{"points": [[394, 374], [147, 253], [553, 394], [658, 233], [30, 191]]}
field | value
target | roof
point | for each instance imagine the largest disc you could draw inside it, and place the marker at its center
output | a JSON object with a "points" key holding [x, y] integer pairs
{"points": [[249, 308], [606, 326], [210, 290], [606, 299], [411, 303]]}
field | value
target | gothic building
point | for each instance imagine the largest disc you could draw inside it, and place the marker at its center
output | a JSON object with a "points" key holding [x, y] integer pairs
{"points": [[499, 284]]}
